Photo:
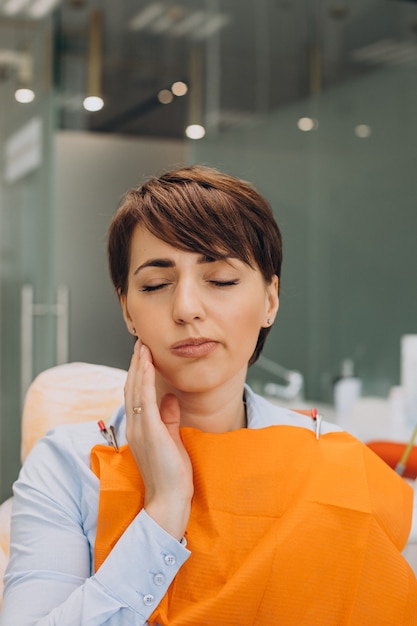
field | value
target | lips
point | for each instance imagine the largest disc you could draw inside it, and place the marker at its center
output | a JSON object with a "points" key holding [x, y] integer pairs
{"points": [[194, 347]]}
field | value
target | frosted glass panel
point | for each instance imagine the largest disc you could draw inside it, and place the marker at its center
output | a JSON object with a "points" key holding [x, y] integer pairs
{"points": [[345, 197], [26, 250]]}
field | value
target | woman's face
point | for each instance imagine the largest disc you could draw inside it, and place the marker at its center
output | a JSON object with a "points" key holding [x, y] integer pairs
{"points": [[199, 317]]}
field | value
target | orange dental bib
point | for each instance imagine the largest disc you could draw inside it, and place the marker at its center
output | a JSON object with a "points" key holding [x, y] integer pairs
{"points": [[284, 530]]}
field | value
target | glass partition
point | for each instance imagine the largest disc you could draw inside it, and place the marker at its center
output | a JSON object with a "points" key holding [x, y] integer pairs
{"points": [[26, 242], [337, 162]]}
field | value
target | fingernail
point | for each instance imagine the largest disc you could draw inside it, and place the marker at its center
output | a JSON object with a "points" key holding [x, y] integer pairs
{"points": [[142, 350], [136, 346]]}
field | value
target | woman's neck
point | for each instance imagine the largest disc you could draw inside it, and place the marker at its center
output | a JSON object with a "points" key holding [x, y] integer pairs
{"points": [[216, 410]]}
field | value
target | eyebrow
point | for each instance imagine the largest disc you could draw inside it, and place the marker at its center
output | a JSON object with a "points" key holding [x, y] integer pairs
{"points": [[167, 262]]}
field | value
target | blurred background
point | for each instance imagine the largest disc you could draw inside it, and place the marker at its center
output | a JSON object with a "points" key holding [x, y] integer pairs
{"points": [[314, 101]]}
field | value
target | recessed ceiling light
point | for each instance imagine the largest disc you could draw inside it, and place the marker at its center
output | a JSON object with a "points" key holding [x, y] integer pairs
{"points": [[179, 88], [24, 95], [165, 96], [195, 131], [362, 131], [93, 103], [307, 123]]}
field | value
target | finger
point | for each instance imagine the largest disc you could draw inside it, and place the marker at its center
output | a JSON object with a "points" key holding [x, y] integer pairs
{"points": [[140, 396], [133, 367], [147, 388], [170, 415], [133, 386]]}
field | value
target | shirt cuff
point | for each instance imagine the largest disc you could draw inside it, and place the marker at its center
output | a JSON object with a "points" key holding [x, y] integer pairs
{"points": [[142, 565]]}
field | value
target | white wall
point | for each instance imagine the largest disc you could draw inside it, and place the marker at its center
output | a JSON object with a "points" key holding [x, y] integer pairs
{"points": [[92, 172]]}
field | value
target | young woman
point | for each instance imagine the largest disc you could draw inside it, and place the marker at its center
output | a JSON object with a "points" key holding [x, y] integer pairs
{"points": [[215, 507]]}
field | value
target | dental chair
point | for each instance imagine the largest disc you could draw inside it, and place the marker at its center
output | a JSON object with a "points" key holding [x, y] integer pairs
{"points": [[65, 394]]}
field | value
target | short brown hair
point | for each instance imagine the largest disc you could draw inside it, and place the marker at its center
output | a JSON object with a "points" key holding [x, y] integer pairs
{"points": [[202, 210]]}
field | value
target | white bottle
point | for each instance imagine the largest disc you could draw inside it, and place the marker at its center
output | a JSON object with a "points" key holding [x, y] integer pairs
{"points": [[346, 391], [409, 377], [399, 429]]}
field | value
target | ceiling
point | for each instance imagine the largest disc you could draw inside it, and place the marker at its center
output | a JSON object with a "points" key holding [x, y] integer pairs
{"points": [[239, 58]]}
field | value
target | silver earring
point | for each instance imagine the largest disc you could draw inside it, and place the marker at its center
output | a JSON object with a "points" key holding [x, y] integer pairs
{"points": [[133, 331], [268, 321]]}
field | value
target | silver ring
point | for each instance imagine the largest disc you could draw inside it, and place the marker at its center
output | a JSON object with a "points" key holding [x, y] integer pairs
{"points": [[137, 410]]}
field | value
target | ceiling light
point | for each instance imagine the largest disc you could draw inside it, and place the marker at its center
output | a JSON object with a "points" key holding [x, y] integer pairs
{"points": [[93, 103], [385, 52], [195, 131], [23, 64], [178, 21], [165, 96], [162, 24], [307, 123], [211, 26], [189, 23], [179, 88], [24, 95], [11, 7], [40, 8], [362, 131], [147, 16]]}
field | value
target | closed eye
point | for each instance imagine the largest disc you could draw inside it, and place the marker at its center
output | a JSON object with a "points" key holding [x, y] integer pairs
{"points": [[224, 283], [215, 283], [149, 288]]}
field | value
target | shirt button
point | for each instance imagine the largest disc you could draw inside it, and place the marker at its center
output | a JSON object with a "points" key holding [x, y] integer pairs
{"points": [[148, 599], [159, 579], [170, 559]]}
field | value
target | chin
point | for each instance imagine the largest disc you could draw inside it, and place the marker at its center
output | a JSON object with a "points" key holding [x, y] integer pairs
{"points": [[191, 381], [193, 386], [202, 380]]}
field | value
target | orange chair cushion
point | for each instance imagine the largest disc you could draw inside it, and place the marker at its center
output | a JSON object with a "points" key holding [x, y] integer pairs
{"points": [[391, 452]]}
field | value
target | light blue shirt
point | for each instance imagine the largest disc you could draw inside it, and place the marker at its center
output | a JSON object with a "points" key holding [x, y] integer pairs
{"points": [[50, 578]]}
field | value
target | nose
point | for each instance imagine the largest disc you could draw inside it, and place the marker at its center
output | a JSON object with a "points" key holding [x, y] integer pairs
{"points": [[187, 304]]}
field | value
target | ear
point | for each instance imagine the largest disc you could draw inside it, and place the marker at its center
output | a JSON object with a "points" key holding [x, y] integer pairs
{"points": [[271, 302], [126, 315]]}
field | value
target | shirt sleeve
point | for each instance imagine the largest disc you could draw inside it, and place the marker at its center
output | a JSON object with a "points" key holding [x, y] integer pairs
{"points": [[49, 579]]}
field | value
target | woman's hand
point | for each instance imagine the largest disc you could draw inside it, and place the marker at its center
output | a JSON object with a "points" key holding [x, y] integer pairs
{"points": [[154, 439]]}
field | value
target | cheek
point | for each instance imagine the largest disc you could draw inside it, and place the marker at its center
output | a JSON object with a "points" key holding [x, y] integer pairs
{"points": [[136, 313], [146, 330], [247, 320], [151, 325]]}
